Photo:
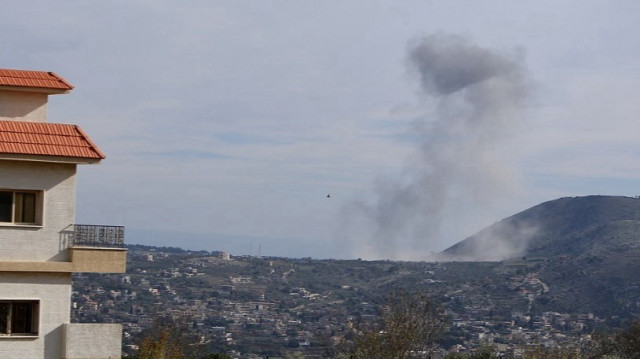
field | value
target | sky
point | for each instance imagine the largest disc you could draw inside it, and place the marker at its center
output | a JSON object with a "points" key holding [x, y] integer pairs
{"points": [[227, 124]]}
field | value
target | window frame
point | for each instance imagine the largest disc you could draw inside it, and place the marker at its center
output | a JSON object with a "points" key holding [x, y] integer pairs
{"points": [[18, 200], [33, 318]]}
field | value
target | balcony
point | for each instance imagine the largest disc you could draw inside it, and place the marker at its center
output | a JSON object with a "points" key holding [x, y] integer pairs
{"points": [[97, 249], [89, 248], [88, 235]]}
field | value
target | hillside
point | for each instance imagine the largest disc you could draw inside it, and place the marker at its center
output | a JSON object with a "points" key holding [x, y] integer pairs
{"points": [[577, 271], [566, 226], [587, 249]]}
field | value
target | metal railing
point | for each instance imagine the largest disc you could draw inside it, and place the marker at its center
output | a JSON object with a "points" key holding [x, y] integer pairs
{"points": [[97, 236]]}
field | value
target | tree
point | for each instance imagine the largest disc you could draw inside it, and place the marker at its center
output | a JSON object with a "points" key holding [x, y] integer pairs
{"points": [[562, 352], [484, 352], [169, 339], [217, 356], [162, 345], [628, 341], [624, 344], [410, 326], [294, 355]]}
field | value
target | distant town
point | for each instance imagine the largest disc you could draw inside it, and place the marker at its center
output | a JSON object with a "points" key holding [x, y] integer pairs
{"points": [[251, 307]]}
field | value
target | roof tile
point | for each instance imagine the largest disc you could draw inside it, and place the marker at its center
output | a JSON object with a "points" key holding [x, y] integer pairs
{"points": [[38, 79], [46, 139]]}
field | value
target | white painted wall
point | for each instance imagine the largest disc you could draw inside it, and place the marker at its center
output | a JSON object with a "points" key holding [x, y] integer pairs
{"points": [[53, 290], [23, 106], [48, 242], [95, 341]]}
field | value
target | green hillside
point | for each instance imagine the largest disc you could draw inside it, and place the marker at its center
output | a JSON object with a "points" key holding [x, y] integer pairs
{"points": [[566, 226], [588, 250]]}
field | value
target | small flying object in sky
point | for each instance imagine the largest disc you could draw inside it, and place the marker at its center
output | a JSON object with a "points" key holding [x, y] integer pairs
{"points": [[329, 195]]}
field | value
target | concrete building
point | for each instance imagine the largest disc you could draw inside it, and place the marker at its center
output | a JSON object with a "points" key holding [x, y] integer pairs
{"points": [[40, 245]]}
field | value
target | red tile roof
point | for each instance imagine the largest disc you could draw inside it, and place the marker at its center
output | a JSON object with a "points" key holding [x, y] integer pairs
{"points": [[37, 79], [46, 139]]}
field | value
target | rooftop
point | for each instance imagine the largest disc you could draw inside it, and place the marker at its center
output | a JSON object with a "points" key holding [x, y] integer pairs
{"points": [[48, 81], [46, 139]]}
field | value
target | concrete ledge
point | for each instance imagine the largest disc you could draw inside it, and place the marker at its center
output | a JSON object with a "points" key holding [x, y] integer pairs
{"points": [[83, 259], [15, 266], [98, 259]]}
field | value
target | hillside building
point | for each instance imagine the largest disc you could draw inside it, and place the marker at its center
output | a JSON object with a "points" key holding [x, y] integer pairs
{"points": [[40, 243]]}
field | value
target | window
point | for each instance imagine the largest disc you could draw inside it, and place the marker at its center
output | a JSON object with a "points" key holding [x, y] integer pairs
{"points": [[19, 317], [20, 207]]}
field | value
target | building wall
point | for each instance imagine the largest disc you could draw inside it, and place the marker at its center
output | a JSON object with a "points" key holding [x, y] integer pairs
{"points": [[95, 341], [49, 241], [23, 106], [53, 290]]}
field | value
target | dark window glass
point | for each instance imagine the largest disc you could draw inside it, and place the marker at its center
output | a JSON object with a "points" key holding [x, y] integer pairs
{"points": [[4, 318], [18, 207], [6, 206], [19, 317]]}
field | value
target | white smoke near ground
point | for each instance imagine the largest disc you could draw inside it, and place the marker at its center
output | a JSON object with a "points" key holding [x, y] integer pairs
{"points": [[478, 98], [503, 240]]}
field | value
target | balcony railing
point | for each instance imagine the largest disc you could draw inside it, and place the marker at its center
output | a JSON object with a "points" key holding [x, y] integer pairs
{"points": [[97, 236]]}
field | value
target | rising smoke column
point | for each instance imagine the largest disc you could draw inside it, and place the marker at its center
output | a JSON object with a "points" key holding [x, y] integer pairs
{"points": [[478, 97]]}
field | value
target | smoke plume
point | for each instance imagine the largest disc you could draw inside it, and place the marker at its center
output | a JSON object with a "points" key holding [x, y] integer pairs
{"points": [[477, 96]]}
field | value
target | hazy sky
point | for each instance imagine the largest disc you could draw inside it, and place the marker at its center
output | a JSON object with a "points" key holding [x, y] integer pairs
{"points": [[227, 123]]}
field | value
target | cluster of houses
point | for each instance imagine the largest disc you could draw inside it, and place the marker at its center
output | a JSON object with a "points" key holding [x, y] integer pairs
{"points": [[269, 313]]}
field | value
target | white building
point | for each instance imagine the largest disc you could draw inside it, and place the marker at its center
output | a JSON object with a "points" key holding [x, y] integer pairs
{"points": [[40, 246]]}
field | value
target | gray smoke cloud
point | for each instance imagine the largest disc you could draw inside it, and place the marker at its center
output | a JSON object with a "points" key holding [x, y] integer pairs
{"points": [[478, 96]]}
